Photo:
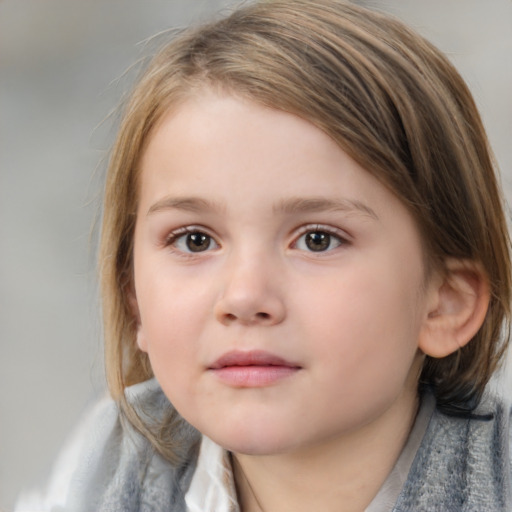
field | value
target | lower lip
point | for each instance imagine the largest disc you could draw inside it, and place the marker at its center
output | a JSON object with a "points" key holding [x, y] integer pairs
{"points": [[253, 376]]}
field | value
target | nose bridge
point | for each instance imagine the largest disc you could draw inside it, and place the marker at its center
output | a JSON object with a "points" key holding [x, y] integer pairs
{"points": [[251, 291]]}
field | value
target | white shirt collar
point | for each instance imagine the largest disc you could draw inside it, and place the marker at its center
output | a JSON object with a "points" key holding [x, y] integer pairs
{"points": [[213, 487]]}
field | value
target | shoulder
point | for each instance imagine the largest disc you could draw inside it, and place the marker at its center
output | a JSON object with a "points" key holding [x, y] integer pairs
{"points": [[108, 466], [463, 462]]}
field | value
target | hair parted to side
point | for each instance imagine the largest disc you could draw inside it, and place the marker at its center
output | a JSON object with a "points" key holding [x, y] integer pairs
{"points": [[389, 98]]}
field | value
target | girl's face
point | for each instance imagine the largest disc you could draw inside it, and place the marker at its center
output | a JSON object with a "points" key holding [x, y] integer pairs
{"points": [[280, 288]]}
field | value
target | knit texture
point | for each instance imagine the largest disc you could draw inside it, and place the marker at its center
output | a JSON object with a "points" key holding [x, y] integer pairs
{"points": [[463, 464]]}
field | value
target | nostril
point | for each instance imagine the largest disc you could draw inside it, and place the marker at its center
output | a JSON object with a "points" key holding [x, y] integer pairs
{"points": [[260, 316]]}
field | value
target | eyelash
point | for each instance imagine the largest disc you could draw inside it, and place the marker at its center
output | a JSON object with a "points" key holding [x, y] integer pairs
{"points": [[174, 237], [340, 238]]}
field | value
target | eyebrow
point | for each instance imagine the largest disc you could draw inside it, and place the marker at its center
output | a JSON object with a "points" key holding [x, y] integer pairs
{"points": [[189, 204], [287, 206], [322, 204]]}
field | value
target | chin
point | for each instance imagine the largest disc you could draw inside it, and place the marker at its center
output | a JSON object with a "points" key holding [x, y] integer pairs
{"points": [[267, 441], [253, 447]]}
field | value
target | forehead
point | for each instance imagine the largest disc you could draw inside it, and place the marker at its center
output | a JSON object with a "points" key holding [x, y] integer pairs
{"points": [[221, 147]]}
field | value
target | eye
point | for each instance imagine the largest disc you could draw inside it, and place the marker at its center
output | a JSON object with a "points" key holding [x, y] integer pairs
{"points": [[192, 241], [318, 240]]}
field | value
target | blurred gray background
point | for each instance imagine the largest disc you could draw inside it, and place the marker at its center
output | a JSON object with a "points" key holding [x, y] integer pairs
{"points": [[60, 64]]}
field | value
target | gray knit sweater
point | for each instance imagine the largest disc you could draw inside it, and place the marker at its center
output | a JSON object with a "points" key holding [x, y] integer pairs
{"points": [[461, 465]]}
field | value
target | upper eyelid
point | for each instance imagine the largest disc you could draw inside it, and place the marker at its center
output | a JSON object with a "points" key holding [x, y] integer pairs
{"points": [[193, 228], [341, 233], [343, 238], [172, 236], [171, 242]]}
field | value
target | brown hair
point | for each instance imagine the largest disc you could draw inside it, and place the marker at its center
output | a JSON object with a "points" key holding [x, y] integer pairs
{"points": [[389, 98]]}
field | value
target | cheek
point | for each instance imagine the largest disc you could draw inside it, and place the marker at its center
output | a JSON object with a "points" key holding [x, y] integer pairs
{"points": [[169, 301], [366, 322], [172, 315], [366, 344]]}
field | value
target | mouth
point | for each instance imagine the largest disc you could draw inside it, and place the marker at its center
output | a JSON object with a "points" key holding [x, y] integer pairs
{"points": [[252, 369]]}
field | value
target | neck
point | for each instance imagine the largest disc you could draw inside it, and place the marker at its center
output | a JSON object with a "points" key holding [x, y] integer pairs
{"points": [[348, 470]]}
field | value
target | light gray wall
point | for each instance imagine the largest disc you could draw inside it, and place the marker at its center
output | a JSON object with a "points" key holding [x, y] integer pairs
{"points": [[59, 60]]}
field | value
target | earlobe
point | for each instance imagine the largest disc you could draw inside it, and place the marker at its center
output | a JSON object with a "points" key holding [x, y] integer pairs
{"points": [[457, 309], [141, 340], [134, 309]]}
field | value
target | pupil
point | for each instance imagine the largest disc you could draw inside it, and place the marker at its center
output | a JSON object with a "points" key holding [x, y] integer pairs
{"points": [[198, 242], [318, 241]]}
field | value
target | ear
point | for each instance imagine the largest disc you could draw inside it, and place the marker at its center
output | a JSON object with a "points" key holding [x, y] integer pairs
{"points": [[134, 308], [457, 305]]}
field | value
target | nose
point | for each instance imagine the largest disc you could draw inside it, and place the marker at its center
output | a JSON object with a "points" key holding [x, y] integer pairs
{"points": [[251, 294]]}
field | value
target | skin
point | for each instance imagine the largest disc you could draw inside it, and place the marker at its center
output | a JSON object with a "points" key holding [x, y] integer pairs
{"points": [[257, 185]]}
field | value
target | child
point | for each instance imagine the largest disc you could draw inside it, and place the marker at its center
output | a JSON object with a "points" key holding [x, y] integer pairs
{"points": [[304, 252]]}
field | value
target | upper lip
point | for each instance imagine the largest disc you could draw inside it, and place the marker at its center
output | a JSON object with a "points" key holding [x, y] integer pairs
{"points": [[251, 358]]}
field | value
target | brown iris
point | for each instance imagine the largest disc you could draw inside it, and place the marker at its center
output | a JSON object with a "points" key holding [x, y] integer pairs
{"points": [[198, 242], [318, 241]]}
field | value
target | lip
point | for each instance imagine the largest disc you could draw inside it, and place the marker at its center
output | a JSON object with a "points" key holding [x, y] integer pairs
{"points": [[255, 368]]}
